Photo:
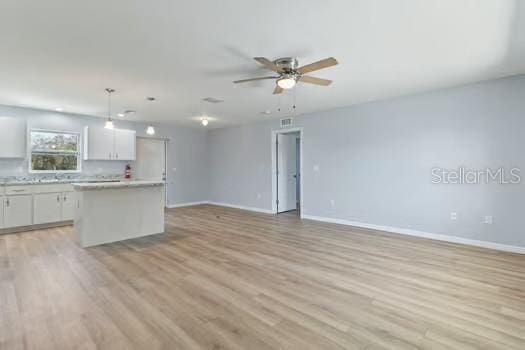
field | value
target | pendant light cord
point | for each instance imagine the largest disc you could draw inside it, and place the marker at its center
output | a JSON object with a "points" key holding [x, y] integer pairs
{"points": [[110, 91]]}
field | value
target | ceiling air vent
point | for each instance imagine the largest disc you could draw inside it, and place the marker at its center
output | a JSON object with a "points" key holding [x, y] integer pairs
{"points": [[286, 122], [212, 100]]}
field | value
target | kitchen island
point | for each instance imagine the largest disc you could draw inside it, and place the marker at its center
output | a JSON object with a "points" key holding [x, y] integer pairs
{"points": [[115, 211]]}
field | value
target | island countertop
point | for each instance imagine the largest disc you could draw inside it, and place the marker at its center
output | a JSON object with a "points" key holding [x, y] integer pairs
{"points": [[86, 186]]}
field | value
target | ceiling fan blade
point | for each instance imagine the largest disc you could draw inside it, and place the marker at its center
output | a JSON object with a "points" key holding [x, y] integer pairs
{"points": [[278, 90], [314, 80], [327, 62], [253, 79], [268, 64]]}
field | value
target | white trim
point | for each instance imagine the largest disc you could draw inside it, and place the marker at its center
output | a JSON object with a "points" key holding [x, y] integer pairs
{"points": [[415, 233], [187, 204], [274, 168], [242, 207], [154, 138], [258, 210]]}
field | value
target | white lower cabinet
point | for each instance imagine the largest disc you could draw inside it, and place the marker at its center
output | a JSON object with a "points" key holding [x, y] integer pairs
{"points": [[47, 207], [53, 207], [68, 205], [26, 205], [18, 210]]}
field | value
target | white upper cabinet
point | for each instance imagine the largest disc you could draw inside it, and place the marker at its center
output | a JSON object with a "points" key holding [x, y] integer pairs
{"points": [[125, 144], [106, 144], [12, 137], [98, 143]]}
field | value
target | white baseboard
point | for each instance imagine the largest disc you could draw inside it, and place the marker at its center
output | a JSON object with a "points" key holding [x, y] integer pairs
{"points": [[403, 231], [415, 233], [259, 210], [187, 204]]}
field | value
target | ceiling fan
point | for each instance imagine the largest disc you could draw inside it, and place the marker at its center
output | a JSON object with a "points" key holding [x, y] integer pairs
{"points": [[290, 73]]}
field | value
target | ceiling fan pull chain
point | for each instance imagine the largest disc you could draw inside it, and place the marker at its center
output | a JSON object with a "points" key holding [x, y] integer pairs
{"points": [[294, 99]]}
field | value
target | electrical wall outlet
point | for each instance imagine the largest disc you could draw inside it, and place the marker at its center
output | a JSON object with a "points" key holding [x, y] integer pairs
{"points": [[258, 196], [316, 168], [488, 219], [453, 216], [332, 203]]}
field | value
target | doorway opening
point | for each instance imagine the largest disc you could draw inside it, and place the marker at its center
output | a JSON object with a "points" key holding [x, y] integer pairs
{"points": [[151, 159], [287, 171]]}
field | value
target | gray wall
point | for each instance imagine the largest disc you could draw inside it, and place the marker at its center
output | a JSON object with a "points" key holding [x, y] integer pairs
{"points": [[187, 173], [375, 161]]}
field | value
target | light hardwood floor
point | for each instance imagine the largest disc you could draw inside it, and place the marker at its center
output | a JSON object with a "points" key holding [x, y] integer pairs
{"points": [[229, 279]]}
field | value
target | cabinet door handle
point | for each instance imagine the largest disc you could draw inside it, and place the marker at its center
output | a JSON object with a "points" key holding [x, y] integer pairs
{"points": [[7, 202], [116, 156], [17, 190], [58, 198], [109, 155], [65, 198]]}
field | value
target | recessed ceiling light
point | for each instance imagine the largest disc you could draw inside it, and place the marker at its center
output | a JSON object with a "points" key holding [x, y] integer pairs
{"points": [[59, 109], [121, 115], [266, 112], [130, 111]]}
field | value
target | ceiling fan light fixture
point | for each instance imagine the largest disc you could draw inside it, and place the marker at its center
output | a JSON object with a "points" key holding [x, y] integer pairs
{"points": [[286, 82]]}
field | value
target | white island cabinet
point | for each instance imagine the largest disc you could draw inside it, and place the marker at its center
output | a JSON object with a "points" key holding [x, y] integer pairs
{"points": [[114, 211]]}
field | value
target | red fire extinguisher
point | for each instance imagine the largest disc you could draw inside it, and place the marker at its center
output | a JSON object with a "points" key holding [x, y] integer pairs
{"points": [[128, 172]]}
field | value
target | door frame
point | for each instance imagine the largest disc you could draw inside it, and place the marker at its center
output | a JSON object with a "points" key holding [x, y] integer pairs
{"points": [[274, 166], [166, 141]]}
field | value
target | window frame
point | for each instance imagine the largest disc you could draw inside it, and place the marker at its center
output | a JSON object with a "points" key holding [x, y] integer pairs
{"points": [[78, 153]]}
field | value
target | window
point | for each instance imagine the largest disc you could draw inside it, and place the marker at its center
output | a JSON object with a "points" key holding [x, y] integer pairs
{"points": [[55, 151]]}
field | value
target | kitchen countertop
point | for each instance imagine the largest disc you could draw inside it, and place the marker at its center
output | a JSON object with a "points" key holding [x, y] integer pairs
{"points": [[86, 186], [53, 181]]}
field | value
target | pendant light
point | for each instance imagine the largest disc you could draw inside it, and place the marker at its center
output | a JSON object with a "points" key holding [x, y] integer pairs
{"points": [[109, 122], [150, 130]]}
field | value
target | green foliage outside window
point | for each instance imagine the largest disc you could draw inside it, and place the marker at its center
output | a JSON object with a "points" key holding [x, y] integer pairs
{"points": [[54, 151]]}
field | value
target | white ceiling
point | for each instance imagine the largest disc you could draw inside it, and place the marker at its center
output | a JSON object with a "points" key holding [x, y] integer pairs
{"points": [[63, 53]]}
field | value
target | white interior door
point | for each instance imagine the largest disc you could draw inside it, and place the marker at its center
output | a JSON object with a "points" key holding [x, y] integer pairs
{"points": [[150, 163], [151, 159], [286, 173]]}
